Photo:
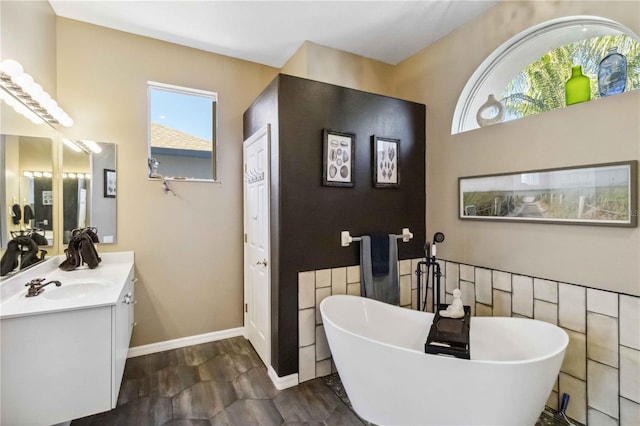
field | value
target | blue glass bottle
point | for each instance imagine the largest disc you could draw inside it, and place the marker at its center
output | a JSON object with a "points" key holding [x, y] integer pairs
{"points": [[612, 73]]}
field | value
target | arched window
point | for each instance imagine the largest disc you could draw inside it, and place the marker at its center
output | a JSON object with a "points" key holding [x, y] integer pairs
{"points": [[527, 74]]}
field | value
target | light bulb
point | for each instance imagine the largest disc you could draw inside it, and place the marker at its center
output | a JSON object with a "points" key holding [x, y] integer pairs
{"points": [[43, 98], [87, 175], [72, 175], [50, 105], [28, 174], [66, 121], [35, 90], [37, 174], [47, 174], [24, 80], [11, 68], [64, 176], [57, 113]]}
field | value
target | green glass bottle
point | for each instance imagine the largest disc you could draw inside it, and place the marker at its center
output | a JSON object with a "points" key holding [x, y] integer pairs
{"points": [[578, 87]]}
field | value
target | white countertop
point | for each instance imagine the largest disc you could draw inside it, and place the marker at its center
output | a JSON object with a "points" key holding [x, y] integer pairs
{"points": [[108, 280]]}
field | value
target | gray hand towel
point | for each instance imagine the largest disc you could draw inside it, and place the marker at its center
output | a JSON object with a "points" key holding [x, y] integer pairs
{"points": [[384, 288]]}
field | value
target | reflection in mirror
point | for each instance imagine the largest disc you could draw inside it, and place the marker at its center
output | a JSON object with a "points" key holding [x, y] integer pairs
{"points": [[182, 132], [88, 188], [26, 198]]}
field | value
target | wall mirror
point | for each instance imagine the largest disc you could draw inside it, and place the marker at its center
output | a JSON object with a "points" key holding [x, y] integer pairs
{"points": [[181, 132], [27, 189], [89, 188]]}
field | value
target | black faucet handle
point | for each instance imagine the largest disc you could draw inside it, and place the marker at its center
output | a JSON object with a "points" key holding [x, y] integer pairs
{"points": [[36, 287], [35, 282]]}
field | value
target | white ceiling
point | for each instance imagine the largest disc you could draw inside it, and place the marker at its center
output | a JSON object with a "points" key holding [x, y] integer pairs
{"points": [[270, 32]]}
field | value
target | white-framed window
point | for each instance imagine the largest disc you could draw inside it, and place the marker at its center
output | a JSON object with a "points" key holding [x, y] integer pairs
{"points": [[527, 73], [182, 129]]}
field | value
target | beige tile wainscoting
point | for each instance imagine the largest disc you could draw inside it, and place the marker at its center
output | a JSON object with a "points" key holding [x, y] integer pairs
{"points": [[601, 369]]}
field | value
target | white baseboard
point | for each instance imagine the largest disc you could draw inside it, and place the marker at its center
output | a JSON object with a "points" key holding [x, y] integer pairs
{"points": [[279, 382], [185, 341], [282, 382]]}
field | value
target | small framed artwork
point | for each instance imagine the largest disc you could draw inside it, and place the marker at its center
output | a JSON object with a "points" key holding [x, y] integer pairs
{"points": [[47, 198], [386, 162], [596, 194], [338, 158], [109, 183]]}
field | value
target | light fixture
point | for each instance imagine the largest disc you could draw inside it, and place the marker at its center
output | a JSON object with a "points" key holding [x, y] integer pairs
{"points": [[71, 175], [36, 173], [92, 146], [27, 97], [86, 146], [20, 108], [71, 144]]}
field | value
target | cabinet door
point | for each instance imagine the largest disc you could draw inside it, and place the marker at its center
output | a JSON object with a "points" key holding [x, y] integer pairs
{"points": [[122, 335], [58, 366], [132, 321]]}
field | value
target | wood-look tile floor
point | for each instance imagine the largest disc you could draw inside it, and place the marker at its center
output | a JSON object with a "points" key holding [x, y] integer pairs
{"points": [[216, 383]]}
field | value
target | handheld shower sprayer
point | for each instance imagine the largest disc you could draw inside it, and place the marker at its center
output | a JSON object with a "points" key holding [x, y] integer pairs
{"points": [[438, 237]]}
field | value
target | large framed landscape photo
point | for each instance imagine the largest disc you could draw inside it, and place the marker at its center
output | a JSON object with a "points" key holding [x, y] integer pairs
{"points": [[597, 194]]}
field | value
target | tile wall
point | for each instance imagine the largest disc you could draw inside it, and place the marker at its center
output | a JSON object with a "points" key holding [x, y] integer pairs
{"points": [[601, 369]]}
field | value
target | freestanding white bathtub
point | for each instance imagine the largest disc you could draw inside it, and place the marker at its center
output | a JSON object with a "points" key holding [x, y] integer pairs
{"points": [[378, 350]]}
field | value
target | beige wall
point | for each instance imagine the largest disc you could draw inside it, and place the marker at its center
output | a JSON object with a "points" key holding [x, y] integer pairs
{"points": [[188, 248], [594, 132], [328, 65]]}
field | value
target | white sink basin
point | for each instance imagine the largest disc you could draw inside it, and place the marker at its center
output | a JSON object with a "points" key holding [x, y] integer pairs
{"points": [[72, 291]]}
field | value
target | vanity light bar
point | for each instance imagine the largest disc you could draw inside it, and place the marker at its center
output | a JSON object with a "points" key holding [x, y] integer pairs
{"points": [[22, 93], [93, 146], [71, 144], [83, 145], [28, 173], [71, 175], [20, 108]]}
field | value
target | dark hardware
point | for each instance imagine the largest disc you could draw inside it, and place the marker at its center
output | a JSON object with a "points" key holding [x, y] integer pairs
{"points": [[36, 286]]}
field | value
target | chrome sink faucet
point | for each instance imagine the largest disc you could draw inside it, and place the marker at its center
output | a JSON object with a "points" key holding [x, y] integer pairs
{"points": [[36, 286]]}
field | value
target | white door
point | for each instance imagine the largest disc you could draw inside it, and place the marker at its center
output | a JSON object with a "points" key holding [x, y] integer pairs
{"points": [[257, 260]]}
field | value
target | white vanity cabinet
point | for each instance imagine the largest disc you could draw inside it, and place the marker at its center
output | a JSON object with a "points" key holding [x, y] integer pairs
{"points": [[66, 364]]}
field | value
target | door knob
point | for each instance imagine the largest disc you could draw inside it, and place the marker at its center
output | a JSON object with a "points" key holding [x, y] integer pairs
{"points": [[263, 263]]}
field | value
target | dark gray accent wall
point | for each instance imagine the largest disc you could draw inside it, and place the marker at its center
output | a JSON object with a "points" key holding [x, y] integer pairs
{"points": [[307, 217]]}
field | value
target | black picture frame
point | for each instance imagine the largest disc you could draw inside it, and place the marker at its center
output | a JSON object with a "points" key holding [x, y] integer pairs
{"points": [[338, 158], [109, 183], [386, 162], [597, 194]]}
